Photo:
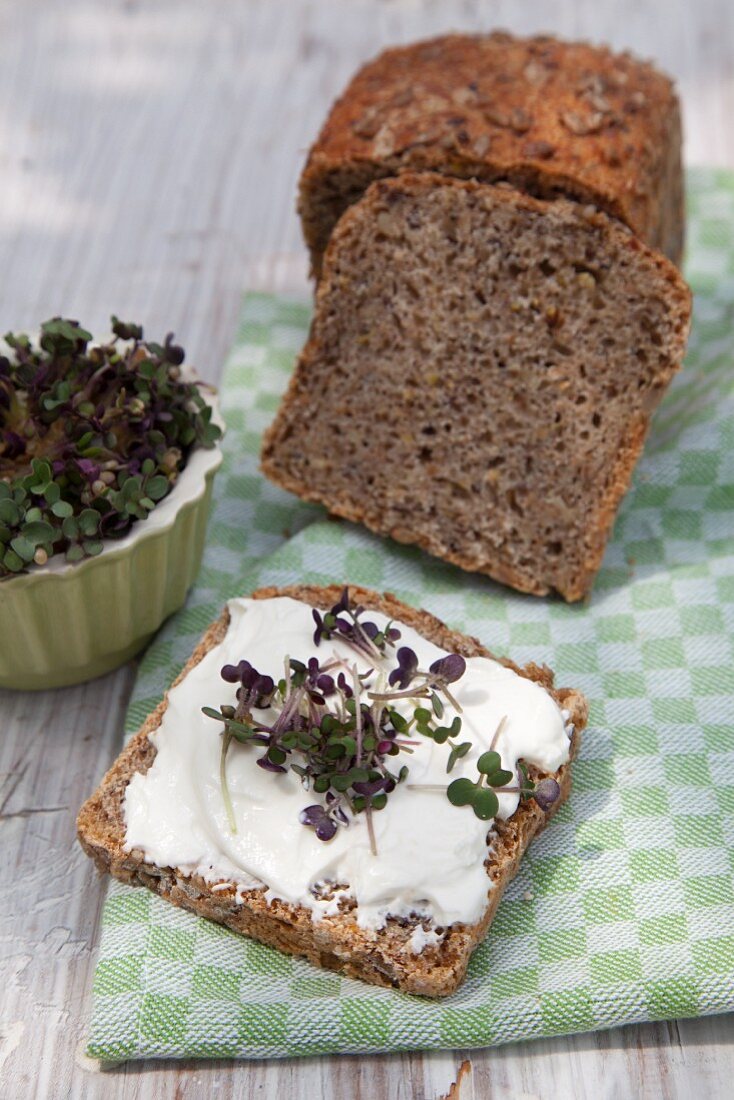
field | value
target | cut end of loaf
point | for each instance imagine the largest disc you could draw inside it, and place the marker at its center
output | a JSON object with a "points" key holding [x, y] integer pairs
{"points": [[480, 375]]}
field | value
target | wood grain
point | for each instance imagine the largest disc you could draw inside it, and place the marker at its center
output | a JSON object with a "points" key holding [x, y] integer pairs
{"points": [[149, 153]]}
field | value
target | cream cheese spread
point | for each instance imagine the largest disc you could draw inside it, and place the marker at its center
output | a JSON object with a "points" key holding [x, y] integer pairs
{"points": [[430, 854]]}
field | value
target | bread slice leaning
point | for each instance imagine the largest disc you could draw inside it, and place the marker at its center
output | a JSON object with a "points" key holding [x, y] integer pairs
{"points": [[479, 377], [382, 957]]}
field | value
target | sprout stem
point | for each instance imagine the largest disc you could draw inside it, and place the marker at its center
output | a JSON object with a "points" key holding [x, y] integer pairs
{"points": [[449, 696], [226, 738], [371, 830], [497, 732], [358, 715], [410, 693]]}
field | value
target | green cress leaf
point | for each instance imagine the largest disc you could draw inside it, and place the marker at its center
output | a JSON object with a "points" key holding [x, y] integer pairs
{"points": [[12, 562], [489, 762], [67, 330], [456, 754], [526, 784], [461, 792], [399, 723], [38, 532], [157, 487], [23, 548], [89, 521], [485, 804], [10, 513], [500, 778], [70, 528]]}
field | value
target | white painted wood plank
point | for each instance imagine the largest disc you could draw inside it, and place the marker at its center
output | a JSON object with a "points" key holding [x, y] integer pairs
{"points": [[149, 153]]}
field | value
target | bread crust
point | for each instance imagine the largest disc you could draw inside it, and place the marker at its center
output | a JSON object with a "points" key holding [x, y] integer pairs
{"points": [[337, 942], [553, 118]]}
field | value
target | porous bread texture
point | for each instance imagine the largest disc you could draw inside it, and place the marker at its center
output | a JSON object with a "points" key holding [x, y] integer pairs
{"points": [[479, 376], [336, 943], [553, 118]]}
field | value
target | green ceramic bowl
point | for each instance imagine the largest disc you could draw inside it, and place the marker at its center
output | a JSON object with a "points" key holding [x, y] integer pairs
{"points": [[61, 624]]}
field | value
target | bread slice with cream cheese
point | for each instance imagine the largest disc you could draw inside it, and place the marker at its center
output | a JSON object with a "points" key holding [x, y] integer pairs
{"points": [[408, 951]]}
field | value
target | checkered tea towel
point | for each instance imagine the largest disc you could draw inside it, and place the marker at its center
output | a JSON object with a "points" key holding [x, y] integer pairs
{"points": [[624, 909]]}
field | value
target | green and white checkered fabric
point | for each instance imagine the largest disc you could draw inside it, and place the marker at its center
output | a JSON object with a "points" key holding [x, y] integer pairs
{"points": [[624, 908]]}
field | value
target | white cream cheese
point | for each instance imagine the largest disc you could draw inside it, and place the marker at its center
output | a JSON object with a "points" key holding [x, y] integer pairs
{"points": [[430, 854], [419, 939]]}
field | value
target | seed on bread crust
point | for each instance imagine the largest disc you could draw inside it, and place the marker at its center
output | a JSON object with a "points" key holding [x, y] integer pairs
{"points": [[552, 117]]}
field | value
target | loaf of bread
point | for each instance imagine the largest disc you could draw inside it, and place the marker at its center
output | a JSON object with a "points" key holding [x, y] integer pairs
{"points": [[336, 941], [553, 118], [480, 375]]}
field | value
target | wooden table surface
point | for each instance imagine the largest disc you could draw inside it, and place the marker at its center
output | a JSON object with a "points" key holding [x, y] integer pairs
{"points": [[149, 154]]}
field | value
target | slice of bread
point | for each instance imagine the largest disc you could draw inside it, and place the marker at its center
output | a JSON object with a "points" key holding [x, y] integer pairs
{"points": [[553, 118], [383, 957], [480, 375]]}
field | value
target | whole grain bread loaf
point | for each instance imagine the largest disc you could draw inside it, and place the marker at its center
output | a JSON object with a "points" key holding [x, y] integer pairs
{"points": [[336, 942], [553, 118], [480, 375]]}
